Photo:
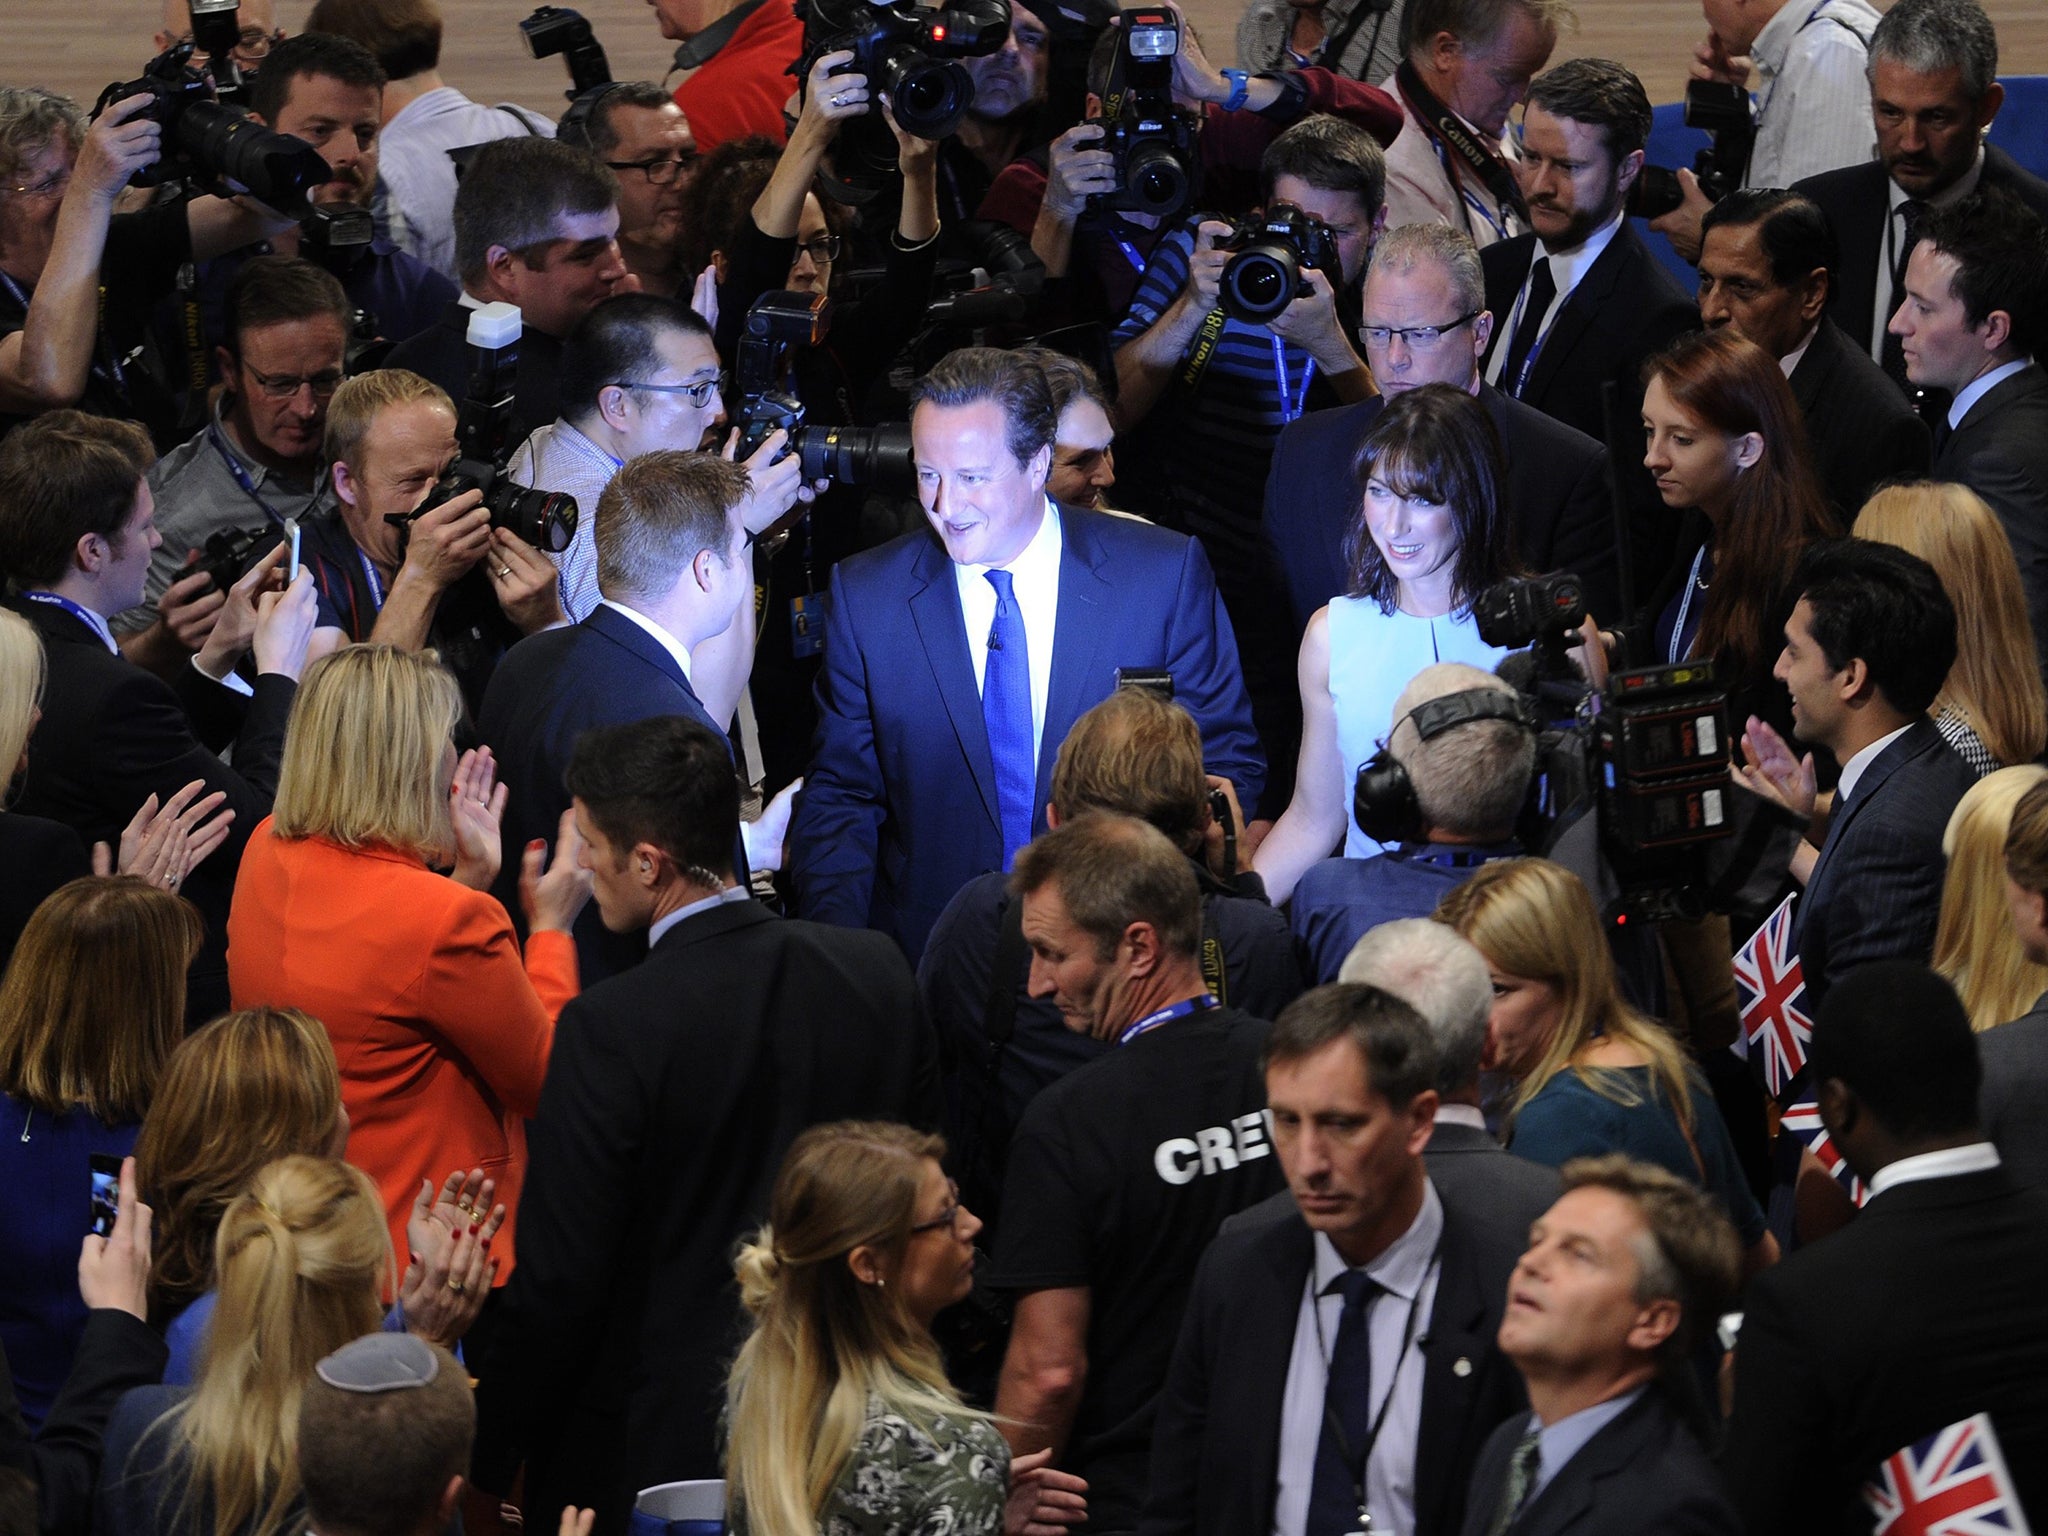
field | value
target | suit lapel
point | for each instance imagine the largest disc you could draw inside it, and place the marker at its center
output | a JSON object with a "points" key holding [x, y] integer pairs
{"points": [[935, 610], [1079, 624], [1457, 1335], [1889, 761], [1810, 379], [1570, 1493], [1580, 308], [2027, 381]]}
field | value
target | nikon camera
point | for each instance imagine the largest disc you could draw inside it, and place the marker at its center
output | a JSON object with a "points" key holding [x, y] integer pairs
{"points": [[1264, 276], [777, 324], [909, 51], [1158, 168]]}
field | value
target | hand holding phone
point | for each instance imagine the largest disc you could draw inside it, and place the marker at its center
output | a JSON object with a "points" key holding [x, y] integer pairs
{"points": [[291, 533], [105, 1199]]}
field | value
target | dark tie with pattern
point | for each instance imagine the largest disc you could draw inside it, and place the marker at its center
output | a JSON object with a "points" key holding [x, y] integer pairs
{"points": [[1521, 1477], [1333, 1496], [1006, 712], [1911, 213], [1542, 290]]}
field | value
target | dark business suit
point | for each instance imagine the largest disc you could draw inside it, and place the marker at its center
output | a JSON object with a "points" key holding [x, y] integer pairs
{"points": [[113, 734], [2015, 1058], [1216, 1441], [1857, 201], [116, 1354], [2001, 452], [1556, 483], [441, 353], [672, 1093], [1645, 1471], [1625, 309], [1860, 427], [1875, 891], [900, 810], [547, 691], [1924, 1310], [38, 856]]}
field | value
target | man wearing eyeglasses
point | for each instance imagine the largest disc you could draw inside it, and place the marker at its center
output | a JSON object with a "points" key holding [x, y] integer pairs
{"points": [[643, 138], [1425, 321], [260, 32]]}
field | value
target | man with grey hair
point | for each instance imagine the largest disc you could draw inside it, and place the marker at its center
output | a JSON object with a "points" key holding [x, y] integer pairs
{"points": [[1466, 778], [1469, 62], [1933, 92], [1425, 321]]}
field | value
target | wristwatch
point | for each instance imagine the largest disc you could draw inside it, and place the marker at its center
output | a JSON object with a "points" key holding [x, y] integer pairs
{"points": [[1240, 87]]}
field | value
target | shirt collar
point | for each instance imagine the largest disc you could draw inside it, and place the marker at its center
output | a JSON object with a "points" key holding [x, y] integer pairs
{"points": [[1962, 187], [1981, 386], [1558, 1443], [1461, 1114], [1797, 355], [577, 440], [1852, 770], [1403, 1265], [1945, 1164], [669, 642], [1568, 267], [662, 925]]}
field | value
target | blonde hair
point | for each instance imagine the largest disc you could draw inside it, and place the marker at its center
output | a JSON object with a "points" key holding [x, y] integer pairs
{"points": [[302, 1260], [1974, 945], [1535, 919], [248, 1089], [1995, 684], [365, 749], [823, 1341], [355, 406], [23, 672], [94, 999]]}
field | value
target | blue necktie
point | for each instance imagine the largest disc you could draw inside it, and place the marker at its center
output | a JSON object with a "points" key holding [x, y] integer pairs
{"points": [[1006, 712], [1333, 1496]]}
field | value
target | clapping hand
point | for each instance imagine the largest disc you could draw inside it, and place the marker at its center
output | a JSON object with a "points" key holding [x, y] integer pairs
{"points": [[1769, 769], [165, 844], [476, 808], [451, 1269]]}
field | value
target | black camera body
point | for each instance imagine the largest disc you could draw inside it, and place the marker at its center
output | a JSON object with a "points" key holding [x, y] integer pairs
{"points": [[1263, 276], [206, 140], [763, 385], [1531, 610], [228, 555], [1158, 163], [909, 51], [544, 519], [1723, 111], [336, 236], [555, 29]]}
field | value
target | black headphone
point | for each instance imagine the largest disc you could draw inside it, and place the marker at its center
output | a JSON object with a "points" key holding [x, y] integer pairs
{"points": [[1384, 801], [574, 128]]}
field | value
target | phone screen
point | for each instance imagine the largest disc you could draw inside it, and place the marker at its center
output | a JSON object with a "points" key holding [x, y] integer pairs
{"points": [[106, 1192]]}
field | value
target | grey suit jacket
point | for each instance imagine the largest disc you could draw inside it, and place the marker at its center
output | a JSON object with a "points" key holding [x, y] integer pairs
{"points": [[2001, 452], [2015, 1058]]}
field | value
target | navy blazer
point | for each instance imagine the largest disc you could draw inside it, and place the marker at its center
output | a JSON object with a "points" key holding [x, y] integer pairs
{"points": [[2001, 452], [1216, 1439], [545, 693], [1875, 891], [1556, 482], [899, 810]]}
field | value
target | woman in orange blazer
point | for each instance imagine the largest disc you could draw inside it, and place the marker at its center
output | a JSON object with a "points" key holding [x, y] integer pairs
{"points": [[441, 1031]]}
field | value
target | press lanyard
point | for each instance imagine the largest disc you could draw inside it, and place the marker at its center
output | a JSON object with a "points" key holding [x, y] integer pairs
{"points": [[1685, 607], [85, 616], [1166, 1015], [1357, 1465], [109, 367], [1131, 255], [1472, 205], [1291, 403], [241, 475], [376, 582], [1521, 378]]}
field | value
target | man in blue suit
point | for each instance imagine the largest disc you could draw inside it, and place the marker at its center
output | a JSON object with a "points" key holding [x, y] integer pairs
{"points": [[956, 661], [673, 569]]}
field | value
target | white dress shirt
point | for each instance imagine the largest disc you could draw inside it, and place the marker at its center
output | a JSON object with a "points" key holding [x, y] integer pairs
{"points": [[1789, 363], [667, 641], [1981, 386], [1461, 1114], [704, 904], [1852, 770], [1408, 1272], [1945, 1164], [1035, 583], [413, 161], [1567, 269], [1812, 98], [1894, 234]]}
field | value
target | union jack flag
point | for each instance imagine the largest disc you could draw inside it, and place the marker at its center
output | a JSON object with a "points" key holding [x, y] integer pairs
{"points": [[1953, 1483], [1770, 987], [1803, 1121]]}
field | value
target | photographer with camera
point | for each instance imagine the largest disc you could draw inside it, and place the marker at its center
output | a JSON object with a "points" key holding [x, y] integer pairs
{"points": [[1810, 112], [62, 244], [399, 566], [643, 138], [1003, 119], [1096, 201]]}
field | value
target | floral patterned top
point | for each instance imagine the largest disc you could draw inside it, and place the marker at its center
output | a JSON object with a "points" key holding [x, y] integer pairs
{"points": [[904, 1481]]}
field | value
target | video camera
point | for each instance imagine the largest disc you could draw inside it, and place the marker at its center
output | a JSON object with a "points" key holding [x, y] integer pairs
{"points": [[1647, 756], [763, 381], [205, 138], [555, 29], [908, 51], [1158, 166], [1723, 111], [544, 519], [1264, 276]]}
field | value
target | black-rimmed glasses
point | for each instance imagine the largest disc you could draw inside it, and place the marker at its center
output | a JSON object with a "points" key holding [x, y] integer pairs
{"points": [[698, 394], [1415, 335], [659, 172], [948, 1219]]}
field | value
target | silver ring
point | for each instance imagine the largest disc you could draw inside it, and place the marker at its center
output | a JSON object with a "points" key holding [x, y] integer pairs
{"points": [[504, 571], [171, 881]]}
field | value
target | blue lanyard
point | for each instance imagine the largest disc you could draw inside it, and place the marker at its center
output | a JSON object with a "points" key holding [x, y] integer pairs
{"points": [[85, 616], [1678, 646], [1167, 1015], [241, 474], [376, 582], [110, 371], [1131, 255], [1291, 403], [1521, 378], [1499, 225]]}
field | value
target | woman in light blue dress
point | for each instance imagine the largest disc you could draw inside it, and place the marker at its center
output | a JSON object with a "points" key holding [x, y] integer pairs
{"points": [[1431, 535]]}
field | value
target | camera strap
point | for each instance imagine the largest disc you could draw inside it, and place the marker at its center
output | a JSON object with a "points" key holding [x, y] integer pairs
{"points": [[1460, 149], [699, 50], [1204, 348]]}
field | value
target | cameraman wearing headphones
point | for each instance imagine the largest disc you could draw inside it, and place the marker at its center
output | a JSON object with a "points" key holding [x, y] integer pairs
{"points": [[1449, 783]]}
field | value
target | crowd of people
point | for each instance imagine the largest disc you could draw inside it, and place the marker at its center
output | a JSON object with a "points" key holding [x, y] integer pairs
{"points": [[776, 810]]}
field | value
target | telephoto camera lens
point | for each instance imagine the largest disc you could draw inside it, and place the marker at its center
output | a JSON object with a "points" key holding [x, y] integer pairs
{"points": [[544, 519], [1157, 181], [1259, 282], [930, 97], [876, 456], [277, 169]]}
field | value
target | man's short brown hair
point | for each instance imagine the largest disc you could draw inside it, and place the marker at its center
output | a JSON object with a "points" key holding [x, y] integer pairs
{"points": [[1690, 1254], [658, 513], [276, 290], [1111, 872], [1136, 754], [403, 35], [64, 475]]}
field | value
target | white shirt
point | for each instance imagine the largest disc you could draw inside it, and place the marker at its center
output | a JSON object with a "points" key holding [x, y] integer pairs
{"points": [[1981, 386], [413, 160], [1408, 1270], [1792, 359], [1894, 233], [1461, 1114], [1567, 269], [1812, 99], [668, 642], [557, 457], [662, 925], [1035, 583], [1945, 1164], [1852, 770]]}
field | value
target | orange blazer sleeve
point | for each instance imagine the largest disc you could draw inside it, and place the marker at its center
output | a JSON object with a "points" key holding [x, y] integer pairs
{"points": [[478, 995]]}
